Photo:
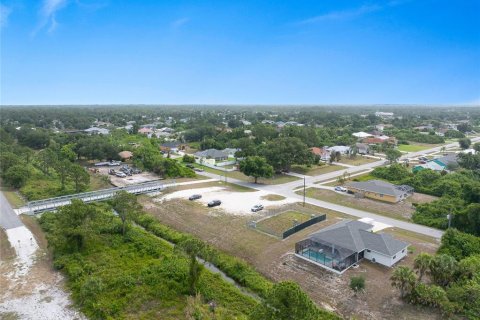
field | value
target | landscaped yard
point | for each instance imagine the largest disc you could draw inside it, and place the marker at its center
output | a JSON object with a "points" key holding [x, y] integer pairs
{"points": [[276, 179], [316, 169], [276, 225]]}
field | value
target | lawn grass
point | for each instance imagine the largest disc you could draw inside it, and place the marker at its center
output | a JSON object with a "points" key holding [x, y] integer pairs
{"points": [[98, 182], [363, 177], [411, 236], [273, 197], [316, 169], [276, 179], [278, 224], [414, 147], [357, 161]]}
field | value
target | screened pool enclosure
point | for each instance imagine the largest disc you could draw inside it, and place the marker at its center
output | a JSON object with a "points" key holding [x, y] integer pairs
{"points": [[330, 255]]}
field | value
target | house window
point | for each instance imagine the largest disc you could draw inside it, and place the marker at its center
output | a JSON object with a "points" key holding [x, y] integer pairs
{"points": [[394, 257]]}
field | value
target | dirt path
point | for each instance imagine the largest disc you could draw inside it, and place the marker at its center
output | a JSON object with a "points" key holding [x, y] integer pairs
{"points": [[31, 289]]}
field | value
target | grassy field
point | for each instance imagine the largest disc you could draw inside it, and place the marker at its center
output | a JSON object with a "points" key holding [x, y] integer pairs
{"points": [[362, 177], [278, 224], [277, 179], [316, 170], [273, 197], [414, 147], [357, 161]]}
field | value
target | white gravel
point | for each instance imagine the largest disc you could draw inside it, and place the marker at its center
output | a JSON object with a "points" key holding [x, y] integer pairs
{"points": [[45, 302], [23, 241], [236, 203]]}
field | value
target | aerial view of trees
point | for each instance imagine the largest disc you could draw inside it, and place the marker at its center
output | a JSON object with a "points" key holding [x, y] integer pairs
{"points": [[256, 167]]}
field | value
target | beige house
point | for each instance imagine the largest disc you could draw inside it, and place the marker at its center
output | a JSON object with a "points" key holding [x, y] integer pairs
{"points": [[380, 190]]}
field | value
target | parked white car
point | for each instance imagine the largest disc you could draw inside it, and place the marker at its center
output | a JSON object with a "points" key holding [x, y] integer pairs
{"points": [[120, 174], [341, 189]]}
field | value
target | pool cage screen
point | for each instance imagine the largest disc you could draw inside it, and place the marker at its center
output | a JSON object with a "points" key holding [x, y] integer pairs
{"points": [[326, 253]]}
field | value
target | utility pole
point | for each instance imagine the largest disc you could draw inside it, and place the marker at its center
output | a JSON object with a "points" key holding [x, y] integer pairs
{"points": [[304, 191]]}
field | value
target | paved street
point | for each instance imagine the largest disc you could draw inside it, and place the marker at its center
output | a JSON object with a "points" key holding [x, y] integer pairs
{"points": [[8, 218]]}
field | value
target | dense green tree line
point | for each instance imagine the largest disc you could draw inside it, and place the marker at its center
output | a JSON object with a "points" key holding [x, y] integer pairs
{"points": [[448, 281]]}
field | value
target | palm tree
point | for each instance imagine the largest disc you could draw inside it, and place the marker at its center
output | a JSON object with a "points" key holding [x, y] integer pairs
{"points": [[404, 279], [422, 264]]}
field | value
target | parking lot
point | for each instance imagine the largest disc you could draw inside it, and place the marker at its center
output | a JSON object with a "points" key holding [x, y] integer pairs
{"points": [[134, 178]]}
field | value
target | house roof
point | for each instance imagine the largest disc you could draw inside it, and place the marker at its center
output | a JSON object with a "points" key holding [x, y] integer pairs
{"points": [[361, 134], [362, 146], [211, 153], [97, 130], [339, 149], [125, 154], [171, 144], [381, 187], [446, 160], [356, 236]]}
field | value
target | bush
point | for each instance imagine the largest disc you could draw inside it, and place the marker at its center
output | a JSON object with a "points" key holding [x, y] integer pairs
{"points": [[357, 283], [458, 244], [188, 158]]}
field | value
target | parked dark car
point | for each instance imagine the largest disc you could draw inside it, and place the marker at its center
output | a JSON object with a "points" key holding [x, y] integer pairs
{"points": [[198, 170], [189, 165], [214, 203], [195, 197]]}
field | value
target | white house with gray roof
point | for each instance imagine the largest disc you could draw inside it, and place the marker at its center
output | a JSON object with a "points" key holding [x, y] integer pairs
{"points": [[339, 246]]}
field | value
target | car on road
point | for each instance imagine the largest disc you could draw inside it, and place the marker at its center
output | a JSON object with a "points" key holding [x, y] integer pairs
{"points": [[257, 208], [195, 197], [341, 189], [198, 170], [214, 203], [120, 174], [423, 158]]}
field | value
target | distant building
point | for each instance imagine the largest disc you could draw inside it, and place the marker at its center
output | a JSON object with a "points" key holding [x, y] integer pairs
{"points": [[125, 155], [96, 130], [384, 115], [362, 148], [172, 146], [361, 135], [322, 153], [439, 164], [146, 131], [341, 149]]}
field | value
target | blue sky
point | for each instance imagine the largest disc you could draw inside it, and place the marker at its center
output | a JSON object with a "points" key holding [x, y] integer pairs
{"points": [[240, 52]]}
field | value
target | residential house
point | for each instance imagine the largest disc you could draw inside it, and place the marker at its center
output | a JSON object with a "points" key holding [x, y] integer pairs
{"points": [[173, 146], [145, 131], [362, 148], [231, 151], [340, 246], [214, 154], [361, 135], [342, 149], [380, 190], [380, 139], [439, 164], [322, 153]]}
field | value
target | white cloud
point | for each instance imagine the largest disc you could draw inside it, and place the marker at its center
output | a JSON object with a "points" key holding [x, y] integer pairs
{"points": [[351, 13], [4, 14], [180, 22], [48, 12]]}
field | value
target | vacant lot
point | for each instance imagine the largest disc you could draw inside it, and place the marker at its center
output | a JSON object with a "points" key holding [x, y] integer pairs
{"points": [[357, 161], [275, 259], [276, 179], [415, 147], [276, 225], [316, 170], [401, 211]]}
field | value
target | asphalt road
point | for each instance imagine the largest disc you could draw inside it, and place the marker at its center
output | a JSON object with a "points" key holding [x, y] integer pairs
{"points": [[8, 218]]}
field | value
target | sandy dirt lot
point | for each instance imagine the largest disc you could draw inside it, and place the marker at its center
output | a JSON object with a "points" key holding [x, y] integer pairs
{"points": [[274, 258], [31, 289], [237, 203]]}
